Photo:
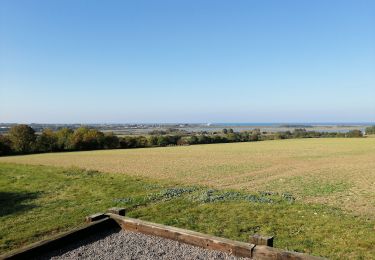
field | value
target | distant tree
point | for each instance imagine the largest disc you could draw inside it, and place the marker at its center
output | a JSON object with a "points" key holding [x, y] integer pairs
{"points": [[278, 136], [299, 133], [193, 139], [218, 139], [183, 141], [203, 139], [84, 138], [128, 142], [370, 130], [5, 145], [232, 137], [230, 131], [47, 141], [354, 133], [244, 136], [141, 141], [256, 131], [76, 140], [93, 139], [162, 140], [152, 140], [64, 139], [288, 134], [254, 137], [225, 131], [22, 138], [172, 139], [111, 141]]}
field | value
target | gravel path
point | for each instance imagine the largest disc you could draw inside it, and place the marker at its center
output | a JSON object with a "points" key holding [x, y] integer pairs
{"points": [[131, 245]]}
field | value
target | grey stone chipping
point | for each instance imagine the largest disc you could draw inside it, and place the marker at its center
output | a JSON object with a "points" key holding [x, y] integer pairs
{"points": [[132, 245]]}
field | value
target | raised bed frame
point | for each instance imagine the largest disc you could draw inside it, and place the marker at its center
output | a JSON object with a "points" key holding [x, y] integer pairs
{"points": [[115, 218]]}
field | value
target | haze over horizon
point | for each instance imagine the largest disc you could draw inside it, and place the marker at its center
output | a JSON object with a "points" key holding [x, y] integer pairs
{"points": [[229, 123], [187, 61]]}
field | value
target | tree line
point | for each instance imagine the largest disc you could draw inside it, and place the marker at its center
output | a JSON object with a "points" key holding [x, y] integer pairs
{"points": [[370, 130], [22, 139]]}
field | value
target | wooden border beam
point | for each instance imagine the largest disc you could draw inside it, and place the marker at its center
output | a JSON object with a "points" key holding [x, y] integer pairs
{"points": [[110, 220], [185, 236], [232, 247], [95, 217], [60, 240], [261, 240], [271, 253], [118, 211]]}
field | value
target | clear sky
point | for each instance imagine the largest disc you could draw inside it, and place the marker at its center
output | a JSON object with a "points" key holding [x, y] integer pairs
{"points": [[187, 61]]}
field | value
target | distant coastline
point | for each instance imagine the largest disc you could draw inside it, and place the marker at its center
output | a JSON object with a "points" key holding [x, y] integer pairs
{"points": [[144, 128], [341, 124]]}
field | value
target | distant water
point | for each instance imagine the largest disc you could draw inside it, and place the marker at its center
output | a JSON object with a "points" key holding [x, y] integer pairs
{"points": [[342, 127], [297, 124]]}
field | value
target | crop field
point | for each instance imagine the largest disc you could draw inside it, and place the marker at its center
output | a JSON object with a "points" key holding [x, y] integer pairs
{"points": [[337, 172], [315, 195], [39, 201]]}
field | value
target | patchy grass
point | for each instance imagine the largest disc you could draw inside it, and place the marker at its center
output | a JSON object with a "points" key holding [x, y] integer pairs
{"points": [[38, 201], [338, 171], [312, 186]]}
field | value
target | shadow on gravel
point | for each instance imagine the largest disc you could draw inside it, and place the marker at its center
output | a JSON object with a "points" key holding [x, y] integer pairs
{"points": [[100, 234], [14, 202]]}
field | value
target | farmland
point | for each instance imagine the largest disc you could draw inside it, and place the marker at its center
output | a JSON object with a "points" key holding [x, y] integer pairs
{"points": [[39, 201], [315, 195], [337, 172]]}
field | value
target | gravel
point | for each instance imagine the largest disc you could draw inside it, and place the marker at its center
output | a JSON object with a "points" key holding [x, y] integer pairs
{"points": [[114, 244]]}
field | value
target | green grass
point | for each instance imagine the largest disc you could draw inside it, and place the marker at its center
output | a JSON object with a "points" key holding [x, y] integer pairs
{"points": [[334, 171], [38, 201], [313, 186]]}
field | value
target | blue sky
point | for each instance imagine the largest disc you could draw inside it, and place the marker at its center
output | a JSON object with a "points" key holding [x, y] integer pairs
{"points": [[187, 61]]}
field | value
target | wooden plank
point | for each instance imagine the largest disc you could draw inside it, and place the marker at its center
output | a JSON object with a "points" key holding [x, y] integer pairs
{"points": [[185, 236], [111, 220], [270, 253], [118, 211], [60, 240], [95, 217], [210, 242], [261, 240]]}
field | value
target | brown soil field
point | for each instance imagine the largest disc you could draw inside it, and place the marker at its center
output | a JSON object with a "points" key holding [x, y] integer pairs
{"points": [[334, 171]]}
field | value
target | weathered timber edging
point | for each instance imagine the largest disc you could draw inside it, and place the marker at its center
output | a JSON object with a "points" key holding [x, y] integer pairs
{"points": [[60, 240], [185, 236], [114, 218], [233, 247]]}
